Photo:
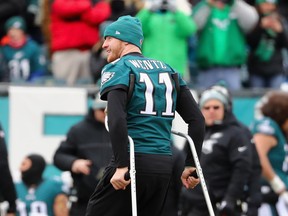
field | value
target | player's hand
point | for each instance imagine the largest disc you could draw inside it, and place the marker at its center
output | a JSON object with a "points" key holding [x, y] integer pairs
{"points": [[187, 180], [272, 22], [118, 179], [81, 166]]}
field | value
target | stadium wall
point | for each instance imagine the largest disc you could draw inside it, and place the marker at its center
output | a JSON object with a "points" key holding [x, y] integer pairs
{"points": [[35, 119]]}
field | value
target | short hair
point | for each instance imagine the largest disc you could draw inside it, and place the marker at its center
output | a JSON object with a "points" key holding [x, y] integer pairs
{"points": [[276, 106]]}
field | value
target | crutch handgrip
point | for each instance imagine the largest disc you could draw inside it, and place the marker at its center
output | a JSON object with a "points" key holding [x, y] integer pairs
{"points": [[127, 176], [194, 174]]}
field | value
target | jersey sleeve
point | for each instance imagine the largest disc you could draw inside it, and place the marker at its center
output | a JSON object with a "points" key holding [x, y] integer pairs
{"points": [[114, 76], [265, 126], [58, 186]]}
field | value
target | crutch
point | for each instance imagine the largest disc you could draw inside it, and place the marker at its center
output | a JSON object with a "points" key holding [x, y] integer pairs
{"points": [[133, 177], [198, 170], [132, 173]]}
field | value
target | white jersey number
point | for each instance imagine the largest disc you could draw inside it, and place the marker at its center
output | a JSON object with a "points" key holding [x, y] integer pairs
{"points": [[37, 208], [164, 78]]}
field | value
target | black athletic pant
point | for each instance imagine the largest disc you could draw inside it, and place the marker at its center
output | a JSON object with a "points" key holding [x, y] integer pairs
{"points": [[153, 173]]}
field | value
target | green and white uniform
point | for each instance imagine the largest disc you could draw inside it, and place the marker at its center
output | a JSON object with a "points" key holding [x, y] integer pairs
{"points": [[272, 205], [26, 62], [143, 110], [38, 201], [277, 154], [149, 116]]}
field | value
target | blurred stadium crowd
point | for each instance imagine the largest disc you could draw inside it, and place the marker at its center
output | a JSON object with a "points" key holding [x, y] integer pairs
{"points": [[240, 44]]}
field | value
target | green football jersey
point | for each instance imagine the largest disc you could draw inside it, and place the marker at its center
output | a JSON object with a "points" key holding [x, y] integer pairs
{"points": [[24, 62], [277, 154], [151, 109], [38, 201]]}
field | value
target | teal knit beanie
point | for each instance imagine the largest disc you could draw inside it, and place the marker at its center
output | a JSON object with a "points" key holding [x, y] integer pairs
{"points": [[212, 94], [15, 22], [126, 28]]}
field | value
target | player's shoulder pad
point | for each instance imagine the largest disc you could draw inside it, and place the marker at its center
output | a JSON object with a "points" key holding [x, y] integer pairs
{"points": [[116, 68], [266, 126]]}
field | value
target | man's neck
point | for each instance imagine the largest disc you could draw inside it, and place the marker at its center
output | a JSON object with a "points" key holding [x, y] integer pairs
{"points": [[130, 48]]}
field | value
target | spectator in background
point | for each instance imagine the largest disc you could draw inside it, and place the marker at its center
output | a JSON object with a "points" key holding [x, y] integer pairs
{"points": [[269, 134], [74, 31], [85, 153], [226, 159], [7, 189], [282, 6], [36, 195], [166, 31], [221, 47], [23, 55], [266, 42], [9, 8], [252, 189]]}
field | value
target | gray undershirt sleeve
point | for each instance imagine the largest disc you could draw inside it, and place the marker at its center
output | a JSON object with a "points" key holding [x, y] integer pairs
{"points": [[201, 16], [246, 14]]}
